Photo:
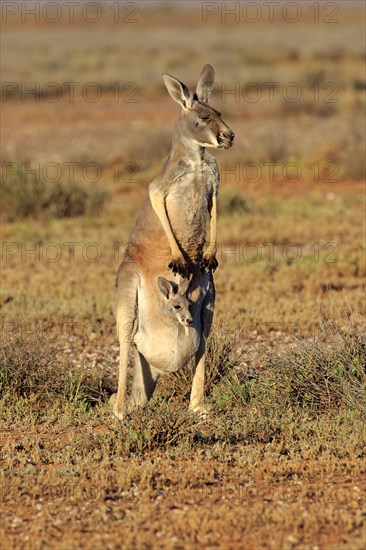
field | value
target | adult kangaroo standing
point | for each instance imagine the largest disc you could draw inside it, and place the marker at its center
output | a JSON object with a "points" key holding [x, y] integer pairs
{"points": [[167, 241]]}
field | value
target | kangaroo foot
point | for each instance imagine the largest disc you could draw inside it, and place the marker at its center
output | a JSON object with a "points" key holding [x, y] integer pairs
{"points": [[201, 411], [116, 407]]}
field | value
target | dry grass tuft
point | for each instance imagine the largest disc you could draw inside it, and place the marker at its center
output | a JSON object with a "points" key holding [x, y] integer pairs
{"points": [[315, 377], [28, 369], [322, 378], [159, 425]]}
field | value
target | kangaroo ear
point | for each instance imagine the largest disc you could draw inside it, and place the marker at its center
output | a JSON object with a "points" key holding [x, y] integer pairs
{"points": [[206, 83], [178, 91], [183, 287], [166, 287]]}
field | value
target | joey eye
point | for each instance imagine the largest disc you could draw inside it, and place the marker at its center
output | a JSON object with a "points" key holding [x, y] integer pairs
{"points": [[177, 307]]}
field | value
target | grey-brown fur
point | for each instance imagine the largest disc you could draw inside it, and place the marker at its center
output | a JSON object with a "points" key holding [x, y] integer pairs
{"points": [[168, 241]]}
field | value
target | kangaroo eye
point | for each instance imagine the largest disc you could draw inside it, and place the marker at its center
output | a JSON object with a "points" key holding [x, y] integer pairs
{"points": [[177, 307]]}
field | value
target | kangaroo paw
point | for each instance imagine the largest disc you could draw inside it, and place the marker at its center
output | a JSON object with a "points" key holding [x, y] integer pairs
{"points": [[180, 266], [209, 263]]}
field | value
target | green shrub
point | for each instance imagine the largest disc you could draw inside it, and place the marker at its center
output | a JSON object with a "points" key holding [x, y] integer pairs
{"points": [[24, 197], [231, 202]]}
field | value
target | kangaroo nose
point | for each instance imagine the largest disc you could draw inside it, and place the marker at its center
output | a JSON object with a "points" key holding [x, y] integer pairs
{"points": [[229, 134]]}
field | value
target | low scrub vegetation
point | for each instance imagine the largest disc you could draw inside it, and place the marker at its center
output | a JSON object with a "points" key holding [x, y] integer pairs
{"points": [[29, 370], [291, 390], [26, 197]]}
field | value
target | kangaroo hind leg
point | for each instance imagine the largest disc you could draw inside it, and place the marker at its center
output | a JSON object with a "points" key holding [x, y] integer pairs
{"points": [[198, 383], [144, 381], [126, 318]]}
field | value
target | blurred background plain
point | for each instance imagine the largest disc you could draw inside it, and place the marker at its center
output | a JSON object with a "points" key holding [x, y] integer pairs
{"points": [[86, 124]]}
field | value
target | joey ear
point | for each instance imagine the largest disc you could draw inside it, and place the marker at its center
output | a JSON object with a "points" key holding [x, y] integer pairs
{"points": [[183, 287], [166, 287], [178, 91], [206, 83]]}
